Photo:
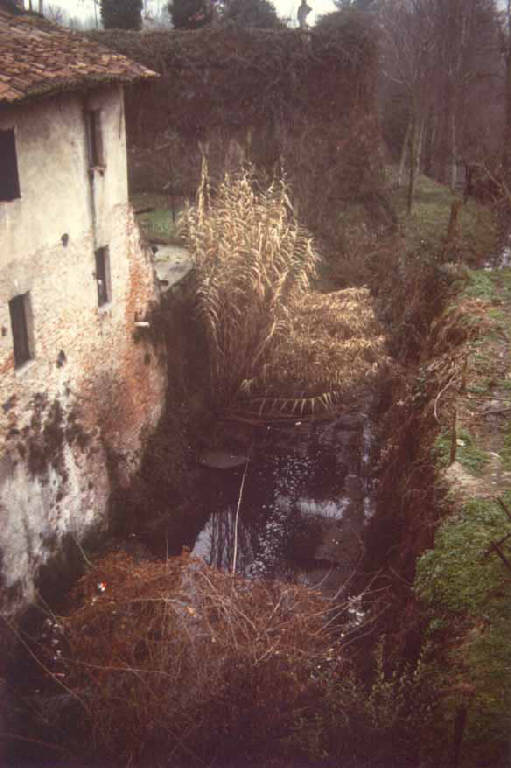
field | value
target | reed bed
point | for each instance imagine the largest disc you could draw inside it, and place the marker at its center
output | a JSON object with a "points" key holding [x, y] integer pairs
{"points": [[334, 347], [253, 261], [275, 345]]}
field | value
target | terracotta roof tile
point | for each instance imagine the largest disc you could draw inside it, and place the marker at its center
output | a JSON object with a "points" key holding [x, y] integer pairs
{"points": [[38, 57]]}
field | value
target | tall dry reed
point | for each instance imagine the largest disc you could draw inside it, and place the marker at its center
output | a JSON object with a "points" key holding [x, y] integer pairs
{"points": [[254, 262]]}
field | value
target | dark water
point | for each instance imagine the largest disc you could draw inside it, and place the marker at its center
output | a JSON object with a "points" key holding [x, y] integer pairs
{"points": [[305, 501]]}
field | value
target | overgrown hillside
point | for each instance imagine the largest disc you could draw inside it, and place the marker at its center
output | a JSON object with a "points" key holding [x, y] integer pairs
{"points": [[464, 581]]}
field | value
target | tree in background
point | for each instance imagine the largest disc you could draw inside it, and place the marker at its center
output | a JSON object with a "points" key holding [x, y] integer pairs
{"points": [[408, 55], [359, 5], [251, 13], [121, 14], [506, 154], [191, 14], [442, 78], [468, 56]]}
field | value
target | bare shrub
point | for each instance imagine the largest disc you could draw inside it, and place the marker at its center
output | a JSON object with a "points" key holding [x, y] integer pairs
{"points": [[181, 660]]}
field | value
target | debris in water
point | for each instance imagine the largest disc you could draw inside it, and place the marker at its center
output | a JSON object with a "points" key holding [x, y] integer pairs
{"points": [[222, 460]]}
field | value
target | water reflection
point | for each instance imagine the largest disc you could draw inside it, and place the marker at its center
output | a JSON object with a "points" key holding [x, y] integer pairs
{"points": [[306, 495], [215, 543]]}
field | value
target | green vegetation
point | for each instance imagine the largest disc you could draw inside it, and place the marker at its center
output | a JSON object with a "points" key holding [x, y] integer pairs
{"points": [[491, 286], [159, 223], [426, 228], [486, 356], [466, 590], [480, 285], [260, 14], [190, 14], [430, 273], [468, 452], [463, 586], [454, 576]]}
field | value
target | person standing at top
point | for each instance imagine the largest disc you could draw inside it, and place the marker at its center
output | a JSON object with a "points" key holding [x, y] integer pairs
{"points": [[303, 12]]}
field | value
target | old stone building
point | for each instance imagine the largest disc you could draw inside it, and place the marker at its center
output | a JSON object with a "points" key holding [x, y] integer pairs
{"points": [[81, 387]]}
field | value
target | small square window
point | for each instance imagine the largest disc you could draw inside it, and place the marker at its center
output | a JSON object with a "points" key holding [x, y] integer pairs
{"points": [[94, 138], [103, 276], [21, 324], [9, 179]]}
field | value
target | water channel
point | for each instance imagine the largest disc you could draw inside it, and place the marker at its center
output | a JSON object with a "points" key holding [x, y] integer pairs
{"points": [[305, 500]]}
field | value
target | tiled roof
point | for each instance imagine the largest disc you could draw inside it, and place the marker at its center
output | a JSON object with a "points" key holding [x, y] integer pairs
{"points": [[38, 57]]}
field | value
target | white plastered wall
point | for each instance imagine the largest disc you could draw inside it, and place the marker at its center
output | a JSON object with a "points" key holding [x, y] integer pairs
{"points": [[72, 419]]}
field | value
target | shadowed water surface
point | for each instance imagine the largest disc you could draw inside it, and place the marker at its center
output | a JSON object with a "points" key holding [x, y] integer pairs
{"points": [[305, 500]]}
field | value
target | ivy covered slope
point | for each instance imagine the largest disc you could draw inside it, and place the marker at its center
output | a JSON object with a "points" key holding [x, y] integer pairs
{"points": [[271, 96], [464, 581]]}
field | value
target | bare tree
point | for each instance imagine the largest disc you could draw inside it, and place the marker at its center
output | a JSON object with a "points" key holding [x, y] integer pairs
{"points": [[437, 53], [408, 37], [55, 14], [467, 35], [506, 155]]}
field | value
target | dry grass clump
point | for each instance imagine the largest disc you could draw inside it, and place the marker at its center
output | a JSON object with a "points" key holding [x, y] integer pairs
{"points": [[342, 314], [275, 345], [335, 341], [334, 346], [179, 660]]}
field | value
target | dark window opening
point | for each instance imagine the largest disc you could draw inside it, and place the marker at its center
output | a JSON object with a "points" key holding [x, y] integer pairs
{"points": [[103, 276], [94, 138], [9, 179], [19, 310]]}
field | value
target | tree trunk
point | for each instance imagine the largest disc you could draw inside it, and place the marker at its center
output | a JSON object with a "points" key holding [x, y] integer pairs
{"points": [[420, 141], [413, 166], [430, 142], [404, 152], [454, 162], [453, 231], [459, 729], [506, 154]]}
